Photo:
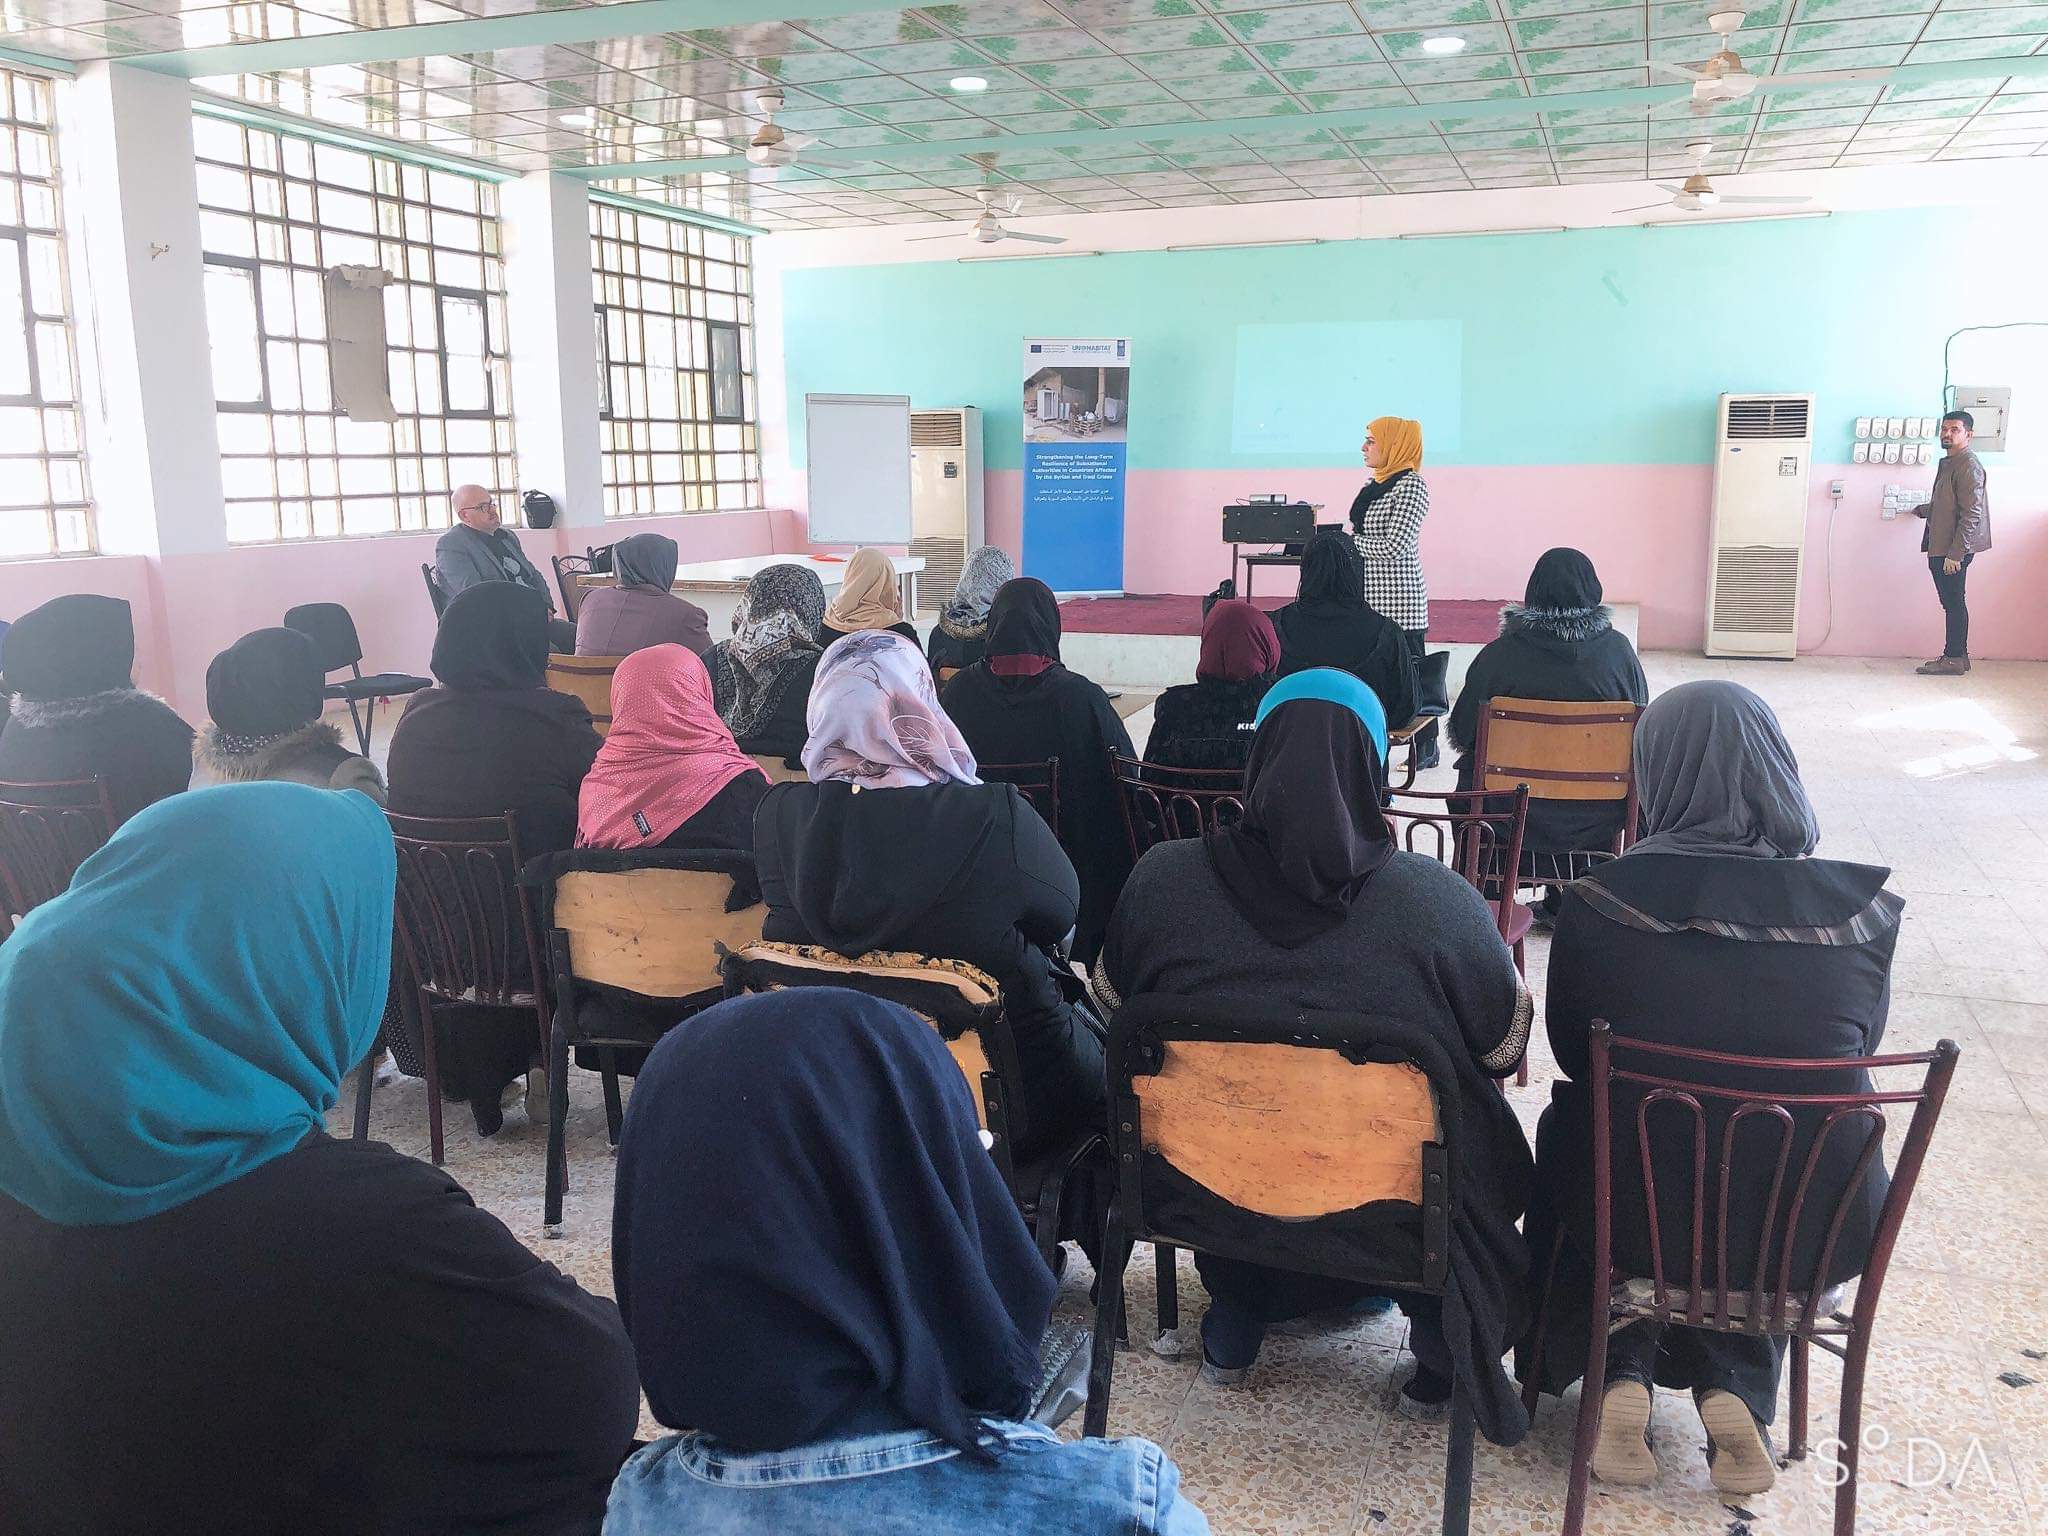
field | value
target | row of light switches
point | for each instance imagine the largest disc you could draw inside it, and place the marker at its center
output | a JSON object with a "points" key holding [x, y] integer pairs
{"points": [[1893, 453], [1901, 498], [1897, 427]]}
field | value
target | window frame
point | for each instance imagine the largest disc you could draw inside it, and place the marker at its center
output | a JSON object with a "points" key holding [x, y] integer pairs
{"points": [[287, 208], [666, 446], [42, 119]]}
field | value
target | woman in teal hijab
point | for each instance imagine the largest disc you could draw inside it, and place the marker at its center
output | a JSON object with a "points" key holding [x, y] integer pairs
{"points": [[187, 1010], [219, 1317]]}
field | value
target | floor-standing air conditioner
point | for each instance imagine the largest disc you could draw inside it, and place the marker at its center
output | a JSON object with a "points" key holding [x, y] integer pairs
{"points": [[1763, 455], [945, 496]]}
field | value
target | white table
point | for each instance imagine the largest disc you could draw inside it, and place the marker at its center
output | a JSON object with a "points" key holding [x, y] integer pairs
{"points": [[716, 585]]}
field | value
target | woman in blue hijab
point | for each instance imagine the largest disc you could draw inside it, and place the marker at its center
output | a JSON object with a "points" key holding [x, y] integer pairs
{"points": [[828, 1285], [222, 1319]]}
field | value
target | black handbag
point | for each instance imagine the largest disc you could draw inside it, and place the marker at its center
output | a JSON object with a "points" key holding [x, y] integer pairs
{"points": [[1433, 683]]}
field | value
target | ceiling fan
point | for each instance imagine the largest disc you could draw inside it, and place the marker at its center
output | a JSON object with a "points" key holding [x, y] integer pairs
{"points": [[988, 227], [1724, 77], [772, 148], [1697, 192]]}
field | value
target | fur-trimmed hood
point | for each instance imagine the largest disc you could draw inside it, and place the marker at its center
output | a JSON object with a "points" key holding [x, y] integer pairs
{"points": [[87, 706], [1570, 625], [318, 743]]}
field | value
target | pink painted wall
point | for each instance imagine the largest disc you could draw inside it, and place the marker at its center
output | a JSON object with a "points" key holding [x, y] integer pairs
{"points": [[1646, 528], [190, 607]]}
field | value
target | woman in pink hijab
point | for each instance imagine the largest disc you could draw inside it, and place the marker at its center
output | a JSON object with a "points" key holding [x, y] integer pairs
{"points": [[669, 775]]}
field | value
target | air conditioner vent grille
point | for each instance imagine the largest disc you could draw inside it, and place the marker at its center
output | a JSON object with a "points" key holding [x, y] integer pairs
{"points": [[1772, 418], [1756, 590], [935, 429]]}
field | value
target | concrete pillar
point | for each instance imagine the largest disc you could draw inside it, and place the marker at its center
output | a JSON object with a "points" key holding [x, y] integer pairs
{"points": [[133, 212], [549, 307]]}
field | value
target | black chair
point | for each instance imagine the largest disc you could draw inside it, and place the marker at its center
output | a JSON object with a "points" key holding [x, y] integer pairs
{"points": [[645, 930], [333, 634], [435, 594], [1161, 803], [46, 832], [1266, 1136]]}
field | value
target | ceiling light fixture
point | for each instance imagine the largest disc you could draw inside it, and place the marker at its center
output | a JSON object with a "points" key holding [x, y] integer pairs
{"points": [[1245, 245], [1031, 256], [967, 84], [1462, 234], [1736, 218], [574, 119], [1443, 46]]}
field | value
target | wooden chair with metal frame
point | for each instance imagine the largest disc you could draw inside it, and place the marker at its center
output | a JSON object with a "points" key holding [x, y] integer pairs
{"points": [[1039, 783], [46, 831], [1480, 836], [1264, 1137], [1629, 1079], [1561, 750], [588, 679], [577, 574], [465, 928], [1161, 803], [965, 1005], [646, 930]]}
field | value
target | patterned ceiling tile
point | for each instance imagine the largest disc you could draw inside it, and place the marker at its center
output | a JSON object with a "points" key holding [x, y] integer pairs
{"points": [[1031, 47], [1519, 9], [1283, 22], [1320, 52], [1971, 48], [1341, 77], [1626, 57], [1580, 30], [1062, 73], [1841, 58], [758, 41], [1156, 36], [1868, 31], [991, 16]]}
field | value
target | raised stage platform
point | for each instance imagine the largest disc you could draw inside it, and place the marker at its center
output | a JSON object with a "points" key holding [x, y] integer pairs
{"points": [[1154, 642], [1466, 621]]}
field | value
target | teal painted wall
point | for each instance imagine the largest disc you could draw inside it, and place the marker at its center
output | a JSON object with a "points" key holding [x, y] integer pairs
{"points": [[1591, 347]]}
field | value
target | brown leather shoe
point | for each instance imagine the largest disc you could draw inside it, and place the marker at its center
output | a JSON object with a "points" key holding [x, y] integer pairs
{"points": [[1944, 666]]}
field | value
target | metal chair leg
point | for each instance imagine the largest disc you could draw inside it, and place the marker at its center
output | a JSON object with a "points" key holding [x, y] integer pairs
{"points": [[1591, 1390], [1795, 1447], [433, 1066], [1532, 1389], [558, 1126], [1458, 1465], [1109, 1306], [1167, 1265], [362, 730], [1849, 1429], [614, 1111], [366, 1076]]}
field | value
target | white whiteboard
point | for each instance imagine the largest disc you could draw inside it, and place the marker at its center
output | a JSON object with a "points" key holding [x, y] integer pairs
{"points": [[857, 459]]}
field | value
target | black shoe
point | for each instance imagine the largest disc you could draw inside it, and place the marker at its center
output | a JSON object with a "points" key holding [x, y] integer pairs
{"points": [[490, 1117], [1429, 759], [1426, 1396]]}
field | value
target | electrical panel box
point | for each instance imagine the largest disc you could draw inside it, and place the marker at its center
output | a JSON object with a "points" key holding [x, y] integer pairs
{"points": [[1990, 406]]}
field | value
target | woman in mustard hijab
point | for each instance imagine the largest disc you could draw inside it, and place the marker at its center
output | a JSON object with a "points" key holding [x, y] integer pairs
{"points": [[1386, 525]]}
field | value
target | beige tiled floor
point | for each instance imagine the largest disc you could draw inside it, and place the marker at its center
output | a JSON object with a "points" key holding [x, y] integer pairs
{"points": [[1939, 779]]}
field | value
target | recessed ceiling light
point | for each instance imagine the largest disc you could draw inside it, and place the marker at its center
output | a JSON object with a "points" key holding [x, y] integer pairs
{"points": [[967, 84], [574, 119], [1443, 45]]}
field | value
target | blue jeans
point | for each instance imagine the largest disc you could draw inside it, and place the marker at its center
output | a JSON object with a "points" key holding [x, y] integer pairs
{"points": [[903, 1481]]}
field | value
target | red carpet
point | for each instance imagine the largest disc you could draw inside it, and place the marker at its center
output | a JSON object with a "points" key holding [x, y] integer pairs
{"points": [[1465, 620]]}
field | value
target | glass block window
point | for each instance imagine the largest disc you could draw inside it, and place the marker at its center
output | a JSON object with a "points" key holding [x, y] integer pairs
{"points": [[276, 212], [679, 413], [45, 503]]}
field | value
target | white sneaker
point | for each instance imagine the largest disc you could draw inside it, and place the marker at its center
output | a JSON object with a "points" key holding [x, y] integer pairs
{"points": [[1622, 1455], [386, 1071], [1738, 1450], [537, 1095]]}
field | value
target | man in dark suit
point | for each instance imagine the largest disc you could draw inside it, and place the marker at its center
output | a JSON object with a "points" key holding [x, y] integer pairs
{"points": [[481, 548]]}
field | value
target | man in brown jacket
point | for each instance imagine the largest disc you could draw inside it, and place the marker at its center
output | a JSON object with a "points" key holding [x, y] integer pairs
{"points": [[1958, 530]]}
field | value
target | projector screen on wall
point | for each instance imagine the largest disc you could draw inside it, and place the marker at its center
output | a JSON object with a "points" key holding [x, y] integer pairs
{"points": [[1309, 389]]}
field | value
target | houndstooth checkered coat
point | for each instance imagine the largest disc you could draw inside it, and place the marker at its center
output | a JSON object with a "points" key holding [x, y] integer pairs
{"points": [[1387, 542]]}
